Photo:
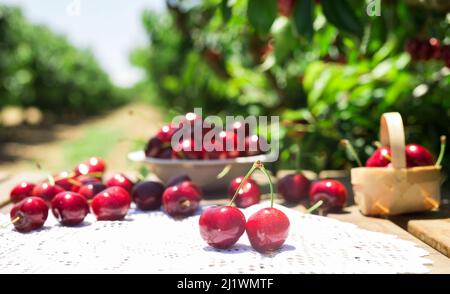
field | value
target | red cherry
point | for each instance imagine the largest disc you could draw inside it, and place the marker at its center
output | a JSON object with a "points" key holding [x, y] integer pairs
{"points": [[332, 192], [67, 181], [120, 180], [180, 201], [285, 7], [229, 140], [70, 208], [29, 214], [380, 158], [255, 145], [190, 185], [294, 187], [94, 165], [417, 155], [148, 195], [21, 191], [154, 147], [91, 189], [214, 150], [267, 229], [165, 133], [248, 195], [222, 226], [187, 150], [111, 204], [173, 181], [46, 191]]}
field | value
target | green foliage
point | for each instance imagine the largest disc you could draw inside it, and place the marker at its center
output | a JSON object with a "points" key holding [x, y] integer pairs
{"points": [[39, 68], [329, 65]]}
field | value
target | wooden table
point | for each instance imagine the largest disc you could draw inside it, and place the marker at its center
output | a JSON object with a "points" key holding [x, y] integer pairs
{"points": [[430, 231]]}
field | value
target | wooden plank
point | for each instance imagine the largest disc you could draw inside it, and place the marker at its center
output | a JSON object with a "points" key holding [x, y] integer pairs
{"points": [[433, 227]]}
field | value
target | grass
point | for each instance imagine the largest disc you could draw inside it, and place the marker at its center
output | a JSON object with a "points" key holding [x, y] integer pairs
{"points": [[96, 141]]}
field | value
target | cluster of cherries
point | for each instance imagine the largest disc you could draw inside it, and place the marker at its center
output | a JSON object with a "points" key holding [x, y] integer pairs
{"points": [[72, 195], [428, 48], [224, 144], [416, 155], [293, 188]]}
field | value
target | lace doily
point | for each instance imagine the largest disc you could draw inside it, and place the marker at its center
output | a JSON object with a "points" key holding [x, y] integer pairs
{"points": [[152, 242]]}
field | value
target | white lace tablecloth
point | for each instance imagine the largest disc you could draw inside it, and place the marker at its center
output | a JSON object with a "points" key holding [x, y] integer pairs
{"points": [[152, 242]]}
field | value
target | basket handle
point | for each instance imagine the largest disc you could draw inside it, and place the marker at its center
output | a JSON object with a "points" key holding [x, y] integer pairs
{"points": [[392, 134]]}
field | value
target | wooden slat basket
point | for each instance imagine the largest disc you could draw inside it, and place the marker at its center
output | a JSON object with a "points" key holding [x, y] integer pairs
{"points": [[397, 189]]}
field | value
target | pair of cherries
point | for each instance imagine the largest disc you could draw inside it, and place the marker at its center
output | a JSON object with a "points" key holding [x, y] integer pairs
{"points": [[296, 187], [267, 229], [416, 155], [180, 198]]}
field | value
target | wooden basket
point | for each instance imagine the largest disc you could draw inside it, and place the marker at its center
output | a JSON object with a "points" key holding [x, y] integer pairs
{"points": [[397, 189]]}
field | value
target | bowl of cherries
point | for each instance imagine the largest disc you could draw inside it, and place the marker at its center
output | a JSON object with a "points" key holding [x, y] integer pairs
{"points": [[211, 156]]}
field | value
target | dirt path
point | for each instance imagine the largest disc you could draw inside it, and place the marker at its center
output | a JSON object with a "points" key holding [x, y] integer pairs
{"points": [[111, 136]]}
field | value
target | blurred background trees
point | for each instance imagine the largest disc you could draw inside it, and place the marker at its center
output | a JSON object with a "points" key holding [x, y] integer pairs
{"points": [[42, 69], [326, 66]]}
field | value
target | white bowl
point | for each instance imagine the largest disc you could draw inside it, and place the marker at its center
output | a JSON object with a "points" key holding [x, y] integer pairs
{"points": [[207, 174]]}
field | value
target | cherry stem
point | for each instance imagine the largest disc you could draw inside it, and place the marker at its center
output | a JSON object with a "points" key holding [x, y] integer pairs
{"points": [[352, 151], [315, 206], [264, 171], [299, 149], [5, 202], [249, 173], [15, 220], [442, 151]]}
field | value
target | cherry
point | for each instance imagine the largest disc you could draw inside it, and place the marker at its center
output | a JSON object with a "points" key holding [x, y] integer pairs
{"points": [[111, 204], [190, 185], [148, 195], [332, 192], [380, 158], [215, 150], [154, 147], [267, 229], [285, 7], [120, 180], [180, 201], [67, 181], [46, 191], [69, 208], [417, 155], [166, 153], [221, 226], [173, 181], [29, 214], [91, 189], [255, 145], [166, 132], [294, 187], [94, 165], [187, 150], [21, 191], [228, 139], [248, 195]]}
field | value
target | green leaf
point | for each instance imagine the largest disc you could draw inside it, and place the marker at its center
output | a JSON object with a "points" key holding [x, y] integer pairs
{"points": [[304, 17], [341, 14], [261, 14], [225, 9]]}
